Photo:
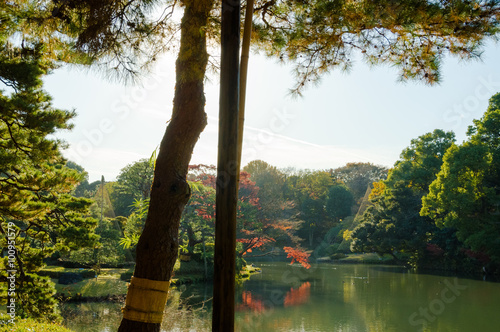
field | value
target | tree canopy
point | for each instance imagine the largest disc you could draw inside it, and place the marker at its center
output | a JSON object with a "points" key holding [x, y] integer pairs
{"points": [[412, 35], [358, 176], [316, 36], [393, 224], [465, 194]]}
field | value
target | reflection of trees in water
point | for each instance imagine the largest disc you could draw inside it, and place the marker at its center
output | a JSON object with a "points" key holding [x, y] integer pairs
{"points": [[298, 296], [92, 316], [185, 314], [106, 316], [250, 302], [257, 307], [256, 302], [356, 298]]}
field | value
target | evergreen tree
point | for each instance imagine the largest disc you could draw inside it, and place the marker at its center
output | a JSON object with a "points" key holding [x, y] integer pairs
{"points": [[339, 202], [38, 214], [413, 36]]}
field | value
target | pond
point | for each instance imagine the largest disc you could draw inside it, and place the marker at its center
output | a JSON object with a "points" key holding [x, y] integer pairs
{"points": [[327, 297]]}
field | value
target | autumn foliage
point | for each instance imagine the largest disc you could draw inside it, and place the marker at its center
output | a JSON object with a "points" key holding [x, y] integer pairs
{"points": [[256, 229], [298, 255]]}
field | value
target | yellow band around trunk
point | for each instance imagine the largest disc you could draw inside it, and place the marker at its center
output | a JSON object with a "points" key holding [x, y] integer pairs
{"points": [[146, 300]]}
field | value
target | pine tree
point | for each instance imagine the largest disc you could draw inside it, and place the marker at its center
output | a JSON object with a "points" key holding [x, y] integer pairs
{"points": [[38, 215]]}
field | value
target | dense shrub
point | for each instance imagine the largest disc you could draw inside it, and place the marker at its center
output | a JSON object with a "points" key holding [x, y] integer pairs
{"points": [[126, 276], [338, 255], [69, 278]]}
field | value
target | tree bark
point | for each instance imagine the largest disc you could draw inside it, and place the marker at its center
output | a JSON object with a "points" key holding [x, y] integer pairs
{"points": [[157, 248]]}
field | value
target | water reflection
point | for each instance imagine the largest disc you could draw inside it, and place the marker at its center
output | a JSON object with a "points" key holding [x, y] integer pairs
{"points": [[354, 298], [92, 316], [250, 302], [255, 302], [298, 296]]}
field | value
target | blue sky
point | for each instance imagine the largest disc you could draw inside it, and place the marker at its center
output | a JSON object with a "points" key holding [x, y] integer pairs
{"points": [[364, 115]]}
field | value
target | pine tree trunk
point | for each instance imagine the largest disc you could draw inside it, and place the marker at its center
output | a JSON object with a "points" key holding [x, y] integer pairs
{"points": [[158, 245]]}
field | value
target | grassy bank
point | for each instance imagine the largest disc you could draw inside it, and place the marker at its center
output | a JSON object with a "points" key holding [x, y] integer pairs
{"points": [[190, 272], [193, 272], [366, 258], [95, 289], [24, 325], [111, 284], [107, 285]]}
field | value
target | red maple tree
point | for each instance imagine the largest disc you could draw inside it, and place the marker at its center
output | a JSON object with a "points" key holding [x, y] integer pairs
{"points": [[255, 229]]}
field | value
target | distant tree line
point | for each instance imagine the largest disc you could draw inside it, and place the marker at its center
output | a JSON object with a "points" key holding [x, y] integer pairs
{"points": [[281, 211], [439, 206]]}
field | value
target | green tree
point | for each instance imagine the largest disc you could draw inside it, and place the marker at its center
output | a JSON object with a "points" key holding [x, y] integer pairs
{"points": [[270, 182], [339, 202], [421, 161], [38, 214], [393, 223], [312, 211], [105, 250], [465, 194], [133, 183], [358, 176], [309, 191], [275, 208], [316, 35]]}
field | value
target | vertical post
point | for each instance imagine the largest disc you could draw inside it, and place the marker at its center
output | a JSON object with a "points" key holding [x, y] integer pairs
{"points": [[245, 53], [226, 195]]}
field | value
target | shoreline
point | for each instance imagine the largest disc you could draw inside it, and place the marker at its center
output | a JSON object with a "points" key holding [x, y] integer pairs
{"points": [[113, 288]]}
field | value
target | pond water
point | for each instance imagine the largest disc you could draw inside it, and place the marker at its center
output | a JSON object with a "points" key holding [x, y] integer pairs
{"points": [[354, 298]]}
